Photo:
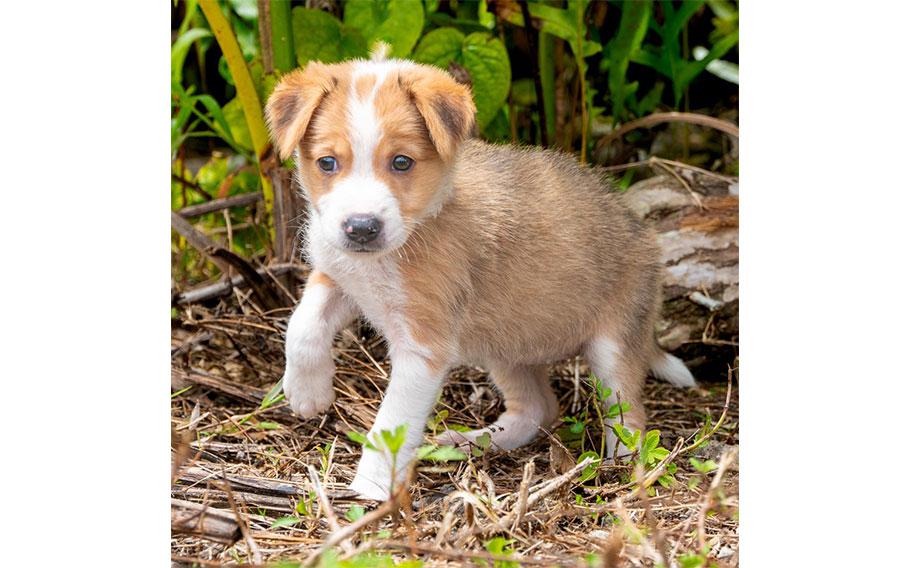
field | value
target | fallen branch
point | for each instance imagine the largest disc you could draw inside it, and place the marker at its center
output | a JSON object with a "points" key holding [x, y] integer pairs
{"points": [[203, 521], [224, 288], [241, 200], [724, 126], [264, 294]]}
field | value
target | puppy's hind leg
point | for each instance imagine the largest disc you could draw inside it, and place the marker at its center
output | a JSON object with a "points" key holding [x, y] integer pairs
{"points": [[622, 370], [530, 403]]}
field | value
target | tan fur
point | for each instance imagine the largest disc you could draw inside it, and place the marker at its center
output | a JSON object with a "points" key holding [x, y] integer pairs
{"points": [[516, 257], [317, 277]]}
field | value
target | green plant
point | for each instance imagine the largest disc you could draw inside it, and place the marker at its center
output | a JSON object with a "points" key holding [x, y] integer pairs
{"points": [[500, 546], [390, 441]]}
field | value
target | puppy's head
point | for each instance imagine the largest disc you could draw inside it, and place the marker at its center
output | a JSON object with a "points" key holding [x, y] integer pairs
{"points": [[375, 142]]}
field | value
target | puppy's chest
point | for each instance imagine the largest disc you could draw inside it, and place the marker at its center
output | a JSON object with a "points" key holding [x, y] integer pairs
{"points": [[373, 284]]}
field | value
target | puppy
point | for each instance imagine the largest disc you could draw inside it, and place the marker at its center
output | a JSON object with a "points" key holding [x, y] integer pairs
{"points": [[460, 253]]}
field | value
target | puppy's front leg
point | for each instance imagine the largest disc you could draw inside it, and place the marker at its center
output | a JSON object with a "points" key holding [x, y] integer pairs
{"points": [[409, 399], [322, 312]]}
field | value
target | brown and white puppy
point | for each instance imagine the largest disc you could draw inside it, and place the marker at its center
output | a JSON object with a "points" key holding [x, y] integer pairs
{"points": [[458, 252]]}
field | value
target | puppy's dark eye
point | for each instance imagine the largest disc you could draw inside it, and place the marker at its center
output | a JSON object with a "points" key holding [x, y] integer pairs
{"points": [[327, 163], [402, 163]]}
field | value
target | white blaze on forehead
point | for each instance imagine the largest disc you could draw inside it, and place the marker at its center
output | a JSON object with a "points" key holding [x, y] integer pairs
{"points": [[363, 123]]}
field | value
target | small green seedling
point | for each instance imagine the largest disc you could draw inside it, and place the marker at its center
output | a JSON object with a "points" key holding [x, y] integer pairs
{"points": [[481, 445], [273, 397], [590, 471], [388, 440]]}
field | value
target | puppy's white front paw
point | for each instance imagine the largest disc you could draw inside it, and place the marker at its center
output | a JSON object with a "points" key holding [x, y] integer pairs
{"points": [[309, 391], [366, 488]]}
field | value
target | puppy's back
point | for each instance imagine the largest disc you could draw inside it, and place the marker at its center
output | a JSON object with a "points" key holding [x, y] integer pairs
{"points": [[545, 254]]}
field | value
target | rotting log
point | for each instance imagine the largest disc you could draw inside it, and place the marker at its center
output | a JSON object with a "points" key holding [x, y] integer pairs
{"points": [[219, 525], [696, 217]]}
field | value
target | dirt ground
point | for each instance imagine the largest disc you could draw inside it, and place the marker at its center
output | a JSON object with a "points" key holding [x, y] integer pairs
{"points": [[254, 465]]}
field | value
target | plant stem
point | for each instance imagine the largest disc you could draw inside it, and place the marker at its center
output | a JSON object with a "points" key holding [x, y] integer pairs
{"points": [[246, 92], [282, 36]]}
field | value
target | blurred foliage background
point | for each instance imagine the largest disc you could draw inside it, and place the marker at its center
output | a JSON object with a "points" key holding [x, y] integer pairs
{"points": [[567, 74]]}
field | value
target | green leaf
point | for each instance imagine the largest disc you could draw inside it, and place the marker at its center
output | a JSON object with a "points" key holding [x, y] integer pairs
{"points": [[286, 521], [614, 409], [440, 453], [272, 396], [691, 561], [237, 125], [396, 22], [632, 27], [319, 36], [703, 466], [590, 470], [484, 440], [485, 59], [439, 47], [359, 438], [354, 513], [181, 47], [484, 16]]}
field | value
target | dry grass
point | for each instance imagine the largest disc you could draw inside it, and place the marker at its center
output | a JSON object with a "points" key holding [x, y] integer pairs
{"points": [[256, 464]]}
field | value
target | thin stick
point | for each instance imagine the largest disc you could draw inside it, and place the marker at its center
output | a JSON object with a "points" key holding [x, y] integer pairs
{"points": [[685, 185], [523, 493], [326, 505], [350, 530], [723, 415], [724, 126], [244, 529]]}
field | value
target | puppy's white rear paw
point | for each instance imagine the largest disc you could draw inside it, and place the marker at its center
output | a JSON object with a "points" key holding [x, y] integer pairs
{"points": [[309, 392]]}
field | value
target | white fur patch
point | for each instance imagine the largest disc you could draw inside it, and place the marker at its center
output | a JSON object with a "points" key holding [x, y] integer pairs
{"points": [[408, 401], [602, 355], [309, 369], [672, 370]]}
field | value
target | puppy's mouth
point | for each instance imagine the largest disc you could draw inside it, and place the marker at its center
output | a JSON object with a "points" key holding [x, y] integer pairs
{"points": [[364, 248]]}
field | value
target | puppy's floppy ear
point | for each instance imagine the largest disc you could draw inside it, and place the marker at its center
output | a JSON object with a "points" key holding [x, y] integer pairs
{"points": [[446, 106], [293, 102]]}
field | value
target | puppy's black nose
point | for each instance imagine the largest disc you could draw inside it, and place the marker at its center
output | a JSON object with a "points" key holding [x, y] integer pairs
{"points": [[362, 228]]}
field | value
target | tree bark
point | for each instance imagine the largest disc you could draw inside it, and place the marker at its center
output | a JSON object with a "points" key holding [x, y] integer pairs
{"points": [[697, 222]]}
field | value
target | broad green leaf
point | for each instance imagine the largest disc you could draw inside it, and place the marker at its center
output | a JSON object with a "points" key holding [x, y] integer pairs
{"points": [[485, 58], [487, 61], [439, 47], [319, 36], [396, 22], [483, 440], [181, 47]]}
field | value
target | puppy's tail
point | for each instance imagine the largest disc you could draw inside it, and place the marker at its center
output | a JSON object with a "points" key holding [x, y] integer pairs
{"points": [[671, 369]]}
